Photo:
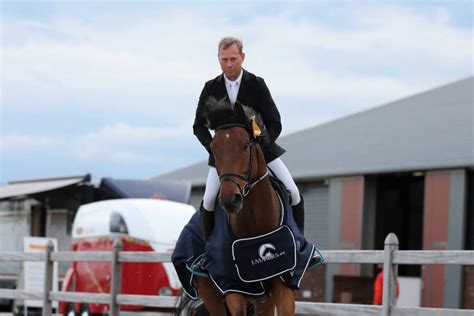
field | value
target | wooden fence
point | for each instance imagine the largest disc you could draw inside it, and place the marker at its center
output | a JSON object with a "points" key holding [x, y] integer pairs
{"points": [[391, 257]]}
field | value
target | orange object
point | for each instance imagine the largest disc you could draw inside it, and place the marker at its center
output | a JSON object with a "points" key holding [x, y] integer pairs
{"points": [[378, 289]]}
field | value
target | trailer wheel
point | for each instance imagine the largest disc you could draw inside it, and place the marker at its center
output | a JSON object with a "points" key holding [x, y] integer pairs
{"points": [[84, 311], [70, 309]]}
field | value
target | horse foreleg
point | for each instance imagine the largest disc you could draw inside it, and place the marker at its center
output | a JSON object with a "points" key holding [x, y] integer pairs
{"points": [[265, 308], [210, 296], [236, 304], [284, 298]]}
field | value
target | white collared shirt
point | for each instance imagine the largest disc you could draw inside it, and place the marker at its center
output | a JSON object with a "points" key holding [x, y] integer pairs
{"points": [[232, 87]]}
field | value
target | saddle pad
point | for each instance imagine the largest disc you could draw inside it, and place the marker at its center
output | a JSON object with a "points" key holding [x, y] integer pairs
{"points": [[265, 256]]}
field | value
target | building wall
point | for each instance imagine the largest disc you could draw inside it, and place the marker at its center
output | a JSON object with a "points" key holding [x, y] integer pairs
{"points": [[435, 234], [14, 224], [468, 295], [197, 194], [346, 203], [316, 199], [443, 229], [352, 201], [456, 236], [340, 215], [56, 227], [313, 285]]}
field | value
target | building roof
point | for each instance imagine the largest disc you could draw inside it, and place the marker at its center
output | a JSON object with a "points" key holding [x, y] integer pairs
{"points": [[178, 191], [23, 188], [429, 130]]}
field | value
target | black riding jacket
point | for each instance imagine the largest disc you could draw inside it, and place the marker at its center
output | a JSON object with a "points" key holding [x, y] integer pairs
{"points": [[253, 92]]}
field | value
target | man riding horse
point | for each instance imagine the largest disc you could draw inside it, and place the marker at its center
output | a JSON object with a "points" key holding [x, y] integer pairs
{"points": [[255, 252], [236, 84], [251, 243]]}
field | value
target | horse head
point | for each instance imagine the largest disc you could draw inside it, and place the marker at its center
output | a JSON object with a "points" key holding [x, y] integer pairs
{"points": [[238, 157]]}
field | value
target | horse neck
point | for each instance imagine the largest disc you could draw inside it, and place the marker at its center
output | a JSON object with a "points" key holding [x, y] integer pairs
{"points": [[260, 212]]}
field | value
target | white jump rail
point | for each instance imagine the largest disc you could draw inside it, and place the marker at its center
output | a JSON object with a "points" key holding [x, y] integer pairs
{"points": [[391, 257]]}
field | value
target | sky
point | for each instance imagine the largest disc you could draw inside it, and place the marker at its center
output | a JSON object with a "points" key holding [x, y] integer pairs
{"points": [[110, 88]]}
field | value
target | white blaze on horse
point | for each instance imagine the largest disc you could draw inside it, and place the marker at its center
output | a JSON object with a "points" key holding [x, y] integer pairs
{"points": [[256, 256]]}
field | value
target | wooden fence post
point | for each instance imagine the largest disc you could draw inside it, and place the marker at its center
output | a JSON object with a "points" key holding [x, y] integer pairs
{"points": [[116, 281], [48, 279], [389, 275]]}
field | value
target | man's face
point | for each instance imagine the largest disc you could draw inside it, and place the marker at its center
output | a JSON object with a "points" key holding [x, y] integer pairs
{"points": [[231, 61]]}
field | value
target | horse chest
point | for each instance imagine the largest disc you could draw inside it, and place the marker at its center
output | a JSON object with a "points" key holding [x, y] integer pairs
{"points": [[252, 225]]}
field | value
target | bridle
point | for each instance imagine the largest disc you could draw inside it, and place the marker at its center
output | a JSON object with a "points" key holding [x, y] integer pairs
{"points": [[230, 176]]}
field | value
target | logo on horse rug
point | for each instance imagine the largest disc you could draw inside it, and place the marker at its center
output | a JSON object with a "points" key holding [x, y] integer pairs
{"points": [[263, 257], [264, 251]]}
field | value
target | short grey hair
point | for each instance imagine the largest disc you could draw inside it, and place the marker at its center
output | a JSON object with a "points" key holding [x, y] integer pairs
{"points": [[228, 41]]}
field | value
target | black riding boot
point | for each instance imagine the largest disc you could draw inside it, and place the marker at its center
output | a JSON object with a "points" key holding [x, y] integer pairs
{"points": [[207, 222], [298, 214]]}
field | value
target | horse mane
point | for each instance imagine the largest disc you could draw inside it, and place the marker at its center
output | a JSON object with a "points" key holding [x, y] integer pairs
{"points": [[221, 112]]}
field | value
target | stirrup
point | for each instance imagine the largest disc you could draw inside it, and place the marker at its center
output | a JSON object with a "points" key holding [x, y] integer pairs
{"points": [[317, 259]]}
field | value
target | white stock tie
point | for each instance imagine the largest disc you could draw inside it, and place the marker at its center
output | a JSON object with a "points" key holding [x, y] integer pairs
{"points": [[232, 92]]}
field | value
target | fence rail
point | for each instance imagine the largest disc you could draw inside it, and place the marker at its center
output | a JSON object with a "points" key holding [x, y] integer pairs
{"points": [[391, 257]]}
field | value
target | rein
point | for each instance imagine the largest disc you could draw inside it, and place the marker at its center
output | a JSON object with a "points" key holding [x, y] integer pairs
{"points": [[249, 184]]}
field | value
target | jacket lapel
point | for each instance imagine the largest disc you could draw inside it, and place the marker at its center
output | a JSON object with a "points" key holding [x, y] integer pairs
{"points": [[243, 86], [221, 89]]}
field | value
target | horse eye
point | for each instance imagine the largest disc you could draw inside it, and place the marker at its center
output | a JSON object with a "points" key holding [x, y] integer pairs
{"points": [[246, 146]]}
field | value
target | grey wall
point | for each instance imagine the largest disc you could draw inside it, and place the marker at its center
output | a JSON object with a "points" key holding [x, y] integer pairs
{"points": [[456, 233], [196, 197], [56, 227], [316, 198], [14, 224]]}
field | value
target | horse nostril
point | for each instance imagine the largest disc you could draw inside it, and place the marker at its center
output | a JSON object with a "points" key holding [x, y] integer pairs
{"points": [[237, 199]]}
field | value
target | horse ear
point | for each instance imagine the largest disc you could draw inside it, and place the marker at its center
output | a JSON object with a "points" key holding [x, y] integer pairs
{"points": [[239, 111]]}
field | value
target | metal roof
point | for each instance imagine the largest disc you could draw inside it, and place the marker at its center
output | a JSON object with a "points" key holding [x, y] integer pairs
{"points": [[178, 191], [28, 187], [429, 130]]}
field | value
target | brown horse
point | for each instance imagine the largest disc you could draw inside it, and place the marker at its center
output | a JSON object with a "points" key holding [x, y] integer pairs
{"points": [[253, 208]]}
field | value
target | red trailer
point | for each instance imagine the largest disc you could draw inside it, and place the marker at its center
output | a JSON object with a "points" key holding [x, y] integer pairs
{"points": [[141, 225]]}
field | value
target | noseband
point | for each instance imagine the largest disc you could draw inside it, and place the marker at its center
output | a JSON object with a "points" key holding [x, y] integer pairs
{"points": [[230, 176]]}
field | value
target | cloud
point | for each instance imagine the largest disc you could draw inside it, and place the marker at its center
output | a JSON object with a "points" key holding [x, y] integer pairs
{"points": [[124, 142], [119, 141], [147, 59], [133, 73], [24, 143]]}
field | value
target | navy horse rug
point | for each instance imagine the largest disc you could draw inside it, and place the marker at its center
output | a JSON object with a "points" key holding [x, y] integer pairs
{"points": [[241, 265]]}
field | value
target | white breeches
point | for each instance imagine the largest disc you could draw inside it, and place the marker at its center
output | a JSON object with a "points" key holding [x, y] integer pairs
{"points": [[277, 167], [212, 189]]}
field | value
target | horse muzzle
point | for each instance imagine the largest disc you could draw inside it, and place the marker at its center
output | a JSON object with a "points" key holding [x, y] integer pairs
{"points": [[233, 203]]}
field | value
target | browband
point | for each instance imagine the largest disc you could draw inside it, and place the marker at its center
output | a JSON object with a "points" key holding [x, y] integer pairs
{"points": [[230, 125]]}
